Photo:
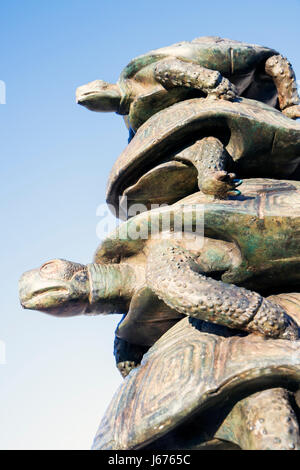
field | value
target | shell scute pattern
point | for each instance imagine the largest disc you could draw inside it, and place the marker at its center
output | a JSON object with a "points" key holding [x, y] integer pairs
{"points": [[204, 368]]}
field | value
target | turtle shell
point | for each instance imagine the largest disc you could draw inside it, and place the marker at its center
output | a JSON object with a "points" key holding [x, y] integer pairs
{"points": [[268, 211], [261, 140], [241, 62], [188, 372]]}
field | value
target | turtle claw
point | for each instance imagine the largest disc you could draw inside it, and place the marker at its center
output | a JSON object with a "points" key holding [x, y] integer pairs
{"points": [[292, 112], [221, 184], [235, 192], [224, 91], [126, 367]]}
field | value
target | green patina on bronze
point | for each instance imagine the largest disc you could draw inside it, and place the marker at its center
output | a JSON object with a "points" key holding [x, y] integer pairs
{"points": [[212, 66], [163, 161], [256, 234], [202, 384], [200, 388], [209, 343]]}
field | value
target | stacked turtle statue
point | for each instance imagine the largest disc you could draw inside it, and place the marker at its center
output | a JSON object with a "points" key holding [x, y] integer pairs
{"points": [[206, 275]]}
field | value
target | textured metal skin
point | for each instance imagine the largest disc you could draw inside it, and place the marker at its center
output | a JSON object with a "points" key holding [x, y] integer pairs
{"points": [[187, 372], [209, 338], [263, 223], [261, 141]]}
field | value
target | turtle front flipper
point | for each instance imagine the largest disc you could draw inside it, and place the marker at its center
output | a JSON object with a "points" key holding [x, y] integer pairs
{"points": [[280, 69], [173, 72], [210, 158], [176, 278], [263, 421]]}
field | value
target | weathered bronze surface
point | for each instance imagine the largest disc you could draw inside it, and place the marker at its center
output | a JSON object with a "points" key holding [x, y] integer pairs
{"points": [[163, 163], [195, 386], [209, 343], [207, 66], [250, 242]]}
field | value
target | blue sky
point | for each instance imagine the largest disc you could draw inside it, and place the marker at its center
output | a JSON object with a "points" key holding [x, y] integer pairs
{"points": [[59, 374]]}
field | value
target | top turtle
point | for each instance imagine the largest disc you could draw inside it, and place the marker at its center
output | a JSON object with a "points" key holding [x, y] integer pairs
{"points": [[207, 66]]}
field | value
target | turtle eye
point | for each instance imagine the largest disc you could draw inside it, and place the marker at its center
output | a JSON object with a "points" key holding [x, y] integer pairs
{"points": [[50, 269], [60, 269]]}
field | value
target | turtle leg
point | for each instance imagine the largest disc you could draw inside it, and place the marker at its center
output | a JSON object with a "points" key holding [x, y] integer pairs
{"points": [[173, 72], [263, 421], [148, 318], [281, 71], [210, 158], [175, 277], [127, 355]]}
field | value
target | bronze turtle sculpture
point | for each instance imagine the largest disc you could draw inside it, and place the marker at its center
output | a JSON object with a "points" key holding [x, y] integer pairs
{"points": [[207, 390], [196, 143], [232, 254], [207, 66], [218, 385]]}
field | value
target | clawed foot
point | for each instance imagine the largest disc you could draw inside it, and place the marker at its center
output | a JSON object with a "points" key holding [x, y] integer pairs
{"points": [[292, 112], [221, 185], [126, 367], [224, 91]]}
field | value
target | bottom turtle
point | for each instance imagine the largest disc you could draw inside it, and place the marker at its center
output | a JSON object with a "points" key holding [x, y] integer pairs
{"points": [[200, 389]]}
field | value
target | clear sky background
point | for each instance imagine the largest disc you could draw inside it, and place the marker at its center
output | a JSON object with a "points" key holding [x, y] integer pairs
{"points": [[55, 156]]}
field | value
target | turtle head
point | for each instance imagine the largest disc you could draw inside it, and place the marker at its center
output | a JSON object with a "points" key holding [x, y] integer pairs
{"points": [[99, 96], [58, 287], [63, 288]]}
